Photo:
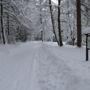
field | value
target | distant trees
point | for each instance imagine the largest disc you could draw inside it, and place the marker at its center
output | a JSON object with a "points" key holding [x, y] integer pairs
{"points": [[7, 11], [61, 21], [9, 21], [85, 12], [21, 34]]}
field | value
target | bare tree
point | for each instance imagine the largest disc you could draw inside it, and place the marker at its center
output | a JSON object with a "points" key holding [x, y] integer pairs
{"points": [[52, 19], [59, 25], [3, 37], [79, 37]]}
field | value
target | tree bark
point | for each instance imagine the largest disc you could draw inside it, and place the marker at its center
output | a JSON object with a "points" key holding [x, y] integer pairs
{"points": [[79, 36], [41, 20], [40, 12], [3, 37], [59, 24], [8, 26], [52, 19]]}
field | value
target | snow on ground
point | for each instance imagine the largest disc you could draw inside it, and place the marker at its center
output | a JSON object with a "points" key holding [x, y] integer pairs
{"points": [[86, 30], [43, 66]]}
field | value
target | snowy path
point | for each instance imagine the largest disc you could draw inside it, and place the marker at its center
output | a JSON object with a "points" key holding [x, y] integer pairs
{"points": [[16, 69], [33, 66], [57, 74]]}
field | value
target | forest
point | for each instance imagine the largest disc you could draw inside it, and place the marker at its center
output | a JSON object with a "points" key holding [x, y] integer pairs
{"points": [[47, 20], [44, 44]]}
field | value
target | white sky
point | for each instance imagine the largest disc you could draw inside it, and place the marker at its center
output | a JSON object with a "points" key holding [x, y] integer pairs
{"points": [[55, 1]]}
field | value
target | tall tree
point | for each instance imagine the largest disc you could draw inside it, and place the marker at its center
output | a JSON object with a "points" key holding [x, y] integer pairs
{"points": [[41, 19], [52, 19], [3, 37], [59, 24], [8, 26], [79, 36]]}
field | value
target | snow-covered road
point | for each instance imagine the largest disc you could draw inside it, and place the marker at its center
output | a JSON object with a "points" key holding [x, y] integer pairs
{"points": [[33, 66], [17, 68]]}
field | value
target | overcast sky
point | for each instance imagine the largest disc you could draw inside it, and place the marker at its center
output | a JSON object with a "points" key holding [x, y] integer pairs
{"points": [[55, 1]]}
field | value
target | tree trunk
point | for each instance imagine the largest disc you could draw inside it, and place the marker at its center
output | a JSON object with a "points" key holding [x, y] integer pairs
{"points": [[52, 19], [59, 24], [3, 37], [40, 12], [8, 30], [41, 20], [79, 36]]}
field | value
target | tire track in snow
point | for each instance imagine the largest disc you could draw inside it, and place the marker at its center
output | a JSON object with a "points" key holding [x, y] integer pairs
{"points": [[34, 67], [54, 74], [18, 68]]}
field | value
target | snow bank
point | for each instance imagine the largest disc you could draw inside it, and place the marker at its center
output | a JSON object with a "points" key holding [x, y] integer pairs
{"points": [[86, 30]]}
